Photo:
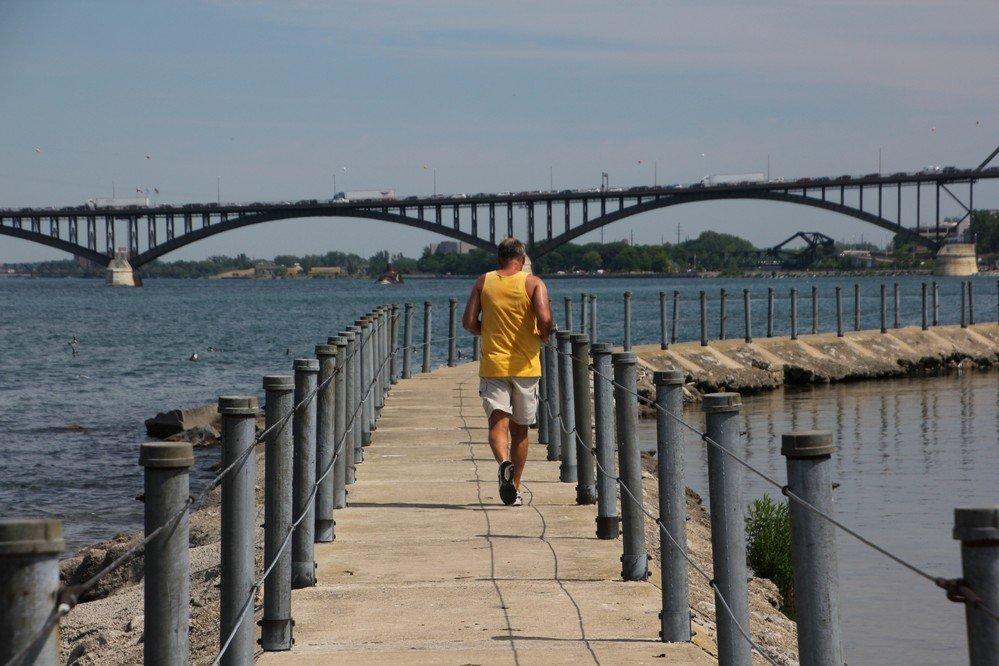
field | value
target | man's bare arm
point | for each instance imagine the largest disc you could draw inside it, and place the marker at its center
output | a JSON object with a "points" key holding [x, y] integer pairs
{"points": [[470, 321], [542, 306]]}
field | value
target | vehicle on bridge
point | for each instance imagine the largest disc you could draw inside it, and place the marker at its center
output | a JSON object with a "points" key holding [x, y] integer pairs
{"points": [[365, 195], [734, 179], [120, 203]]}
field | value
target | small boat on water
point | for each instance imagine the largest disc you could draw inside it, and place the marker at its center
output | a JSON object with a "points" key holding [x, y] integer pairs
{"points": [[390, 276]]}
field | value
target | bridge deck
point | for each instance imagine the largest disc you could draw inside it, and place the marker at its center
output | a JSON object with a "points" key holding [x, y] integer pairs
{"points": [[430, 567]]}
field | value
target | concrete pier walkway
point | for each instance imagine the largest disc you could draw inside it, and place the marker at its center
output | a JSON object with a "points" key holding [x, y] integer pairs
{"points": [[428, 566]]}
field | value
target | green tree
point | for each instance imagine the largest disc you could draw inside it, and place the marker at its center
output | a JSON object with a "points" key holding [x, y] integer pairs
{"points": [[591, 261]]}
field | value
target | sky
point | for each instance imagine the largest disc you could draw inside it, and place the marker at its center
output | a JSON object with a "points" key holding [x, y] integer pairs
{"points": [[268, 100]]}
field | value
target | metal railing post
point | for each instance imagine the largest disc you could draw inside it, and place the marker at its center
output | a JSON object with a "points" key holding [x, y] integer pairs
{"points": [[394, 363], [427, 305], [276, 625], [663, 339], [584, 318], [541, 419], [407, 341], [674, 325], [608, 521], [922, 306], [971, 303], [353, 443], [675, 616], [978, 531], [476, 353], [239, 511], [704, 320], [815, 309], [626, 343], [29, 578], [722, 312], [813, 546], [856, 306], [322, 522], [553, 407], [747, 313], [839, 311], [167, 575], [593, 318], [770, 312], [884, 309], [964, 321], [452, 332], [794, 313], [586, 489], [303, 561], [567, 408], [634, 560], [728, 531], [367, 382], [936, 303], [342, 446], [568, 314]]}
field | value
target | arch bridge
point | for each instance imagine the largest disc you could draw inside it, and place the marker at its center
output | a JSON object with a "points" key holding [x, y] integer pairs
{"points": [[547, 219]]}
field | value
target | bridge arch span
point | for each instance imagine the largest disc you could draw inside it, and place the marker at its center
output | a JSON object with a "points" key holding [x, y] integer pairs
{"points": [[544, 247], [56, 242]]}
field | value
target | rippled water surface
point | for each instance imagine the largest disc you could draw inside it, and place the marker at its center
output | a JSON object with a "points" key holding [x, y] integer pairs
{"points": [[911, 450]]}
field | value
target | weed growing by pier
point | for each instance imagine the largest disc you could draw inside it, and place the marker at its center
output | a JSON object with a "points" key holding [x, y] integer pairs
{"points": [[768, 539]]}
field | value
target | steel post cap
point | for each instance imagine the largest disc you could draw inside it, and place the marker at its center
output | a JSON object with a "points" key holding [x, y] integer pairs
{"points": [[624, 358], [348, 336], [166, 455], [427, 304], [601, 348], [325, 350], [580, 339], [238, 405], [306, 365], [452, 301], [721, 402], [408, 306], [668, 377], [980, 524], [279, 383], [807, 444], [341, 340], [562, 336], [31, 536], [354, 329], [627, 294]]}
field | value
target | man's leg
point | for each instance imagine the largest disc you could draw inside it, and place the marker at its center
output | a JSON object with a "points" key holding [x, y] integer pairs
{"points": [[499, 435], [518, 450]]}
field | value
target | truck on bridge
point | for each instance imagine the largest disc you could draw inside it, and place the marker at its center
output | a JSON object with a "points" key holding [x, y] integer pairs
{"points": [[366, 195], [734, 179], [118, 203]]}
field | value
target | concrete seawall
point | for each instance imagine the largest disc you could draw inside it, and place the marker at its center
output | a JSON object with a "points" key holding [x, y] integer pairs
{"points": [[768, 363]]}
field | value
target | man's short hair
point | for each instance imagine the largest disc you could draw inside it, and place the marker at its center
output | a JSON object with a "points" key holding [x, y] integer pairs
{"points": [[510, 248]]}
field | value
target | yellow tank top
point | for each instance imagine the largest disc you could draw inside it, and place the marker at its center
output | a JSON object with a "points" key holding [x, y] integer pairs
{"points": [[510, 343]]}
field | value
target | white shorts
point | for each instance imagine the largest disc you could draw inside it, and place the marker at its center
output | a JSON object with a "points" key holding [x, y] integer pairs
{"points": [[517, 396]]}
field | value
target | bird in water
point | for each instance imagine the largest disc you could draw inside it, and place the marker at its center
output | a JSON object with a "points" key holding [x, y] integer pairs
{"points": [[194, 357]]}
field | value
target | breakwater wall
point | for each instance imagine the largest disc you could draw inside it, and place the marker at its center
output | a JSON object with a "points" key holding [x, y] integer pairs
{"points": [[766, 364]]}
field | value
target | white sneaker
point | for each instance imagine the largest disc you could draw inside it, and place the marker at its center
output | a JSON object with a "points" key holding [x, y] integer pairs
{"points": [[518, 501]]}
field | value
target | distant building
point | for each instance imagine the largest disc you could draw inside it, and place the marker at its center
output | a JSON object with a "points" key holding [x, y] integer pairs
{"points": [[326, 272], [451, 247], [267, 269]]}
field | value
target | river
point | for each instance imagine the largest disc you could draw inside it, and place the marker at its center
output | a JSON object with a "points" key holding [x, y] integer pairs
{"points": [[71, 425]]}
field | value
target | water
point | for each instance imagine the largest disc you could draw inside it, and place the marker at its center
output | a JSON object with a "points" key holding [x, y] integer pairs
{"points": [[71, 425], [909, 452]]}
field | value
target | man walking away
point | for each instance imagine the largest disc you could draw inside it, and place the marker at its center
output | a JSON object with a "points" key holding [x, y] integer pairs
{"points": [[509, 308]]}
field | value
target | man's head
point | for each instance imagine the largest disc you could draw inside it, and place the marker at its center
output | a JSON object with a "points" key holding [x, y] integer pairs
{"points": [[510, 251]]}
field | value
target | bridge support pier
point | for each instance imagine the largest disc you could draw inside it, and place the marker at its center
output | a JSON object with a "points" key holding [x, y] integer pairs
{"points": [[956, 259]]}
